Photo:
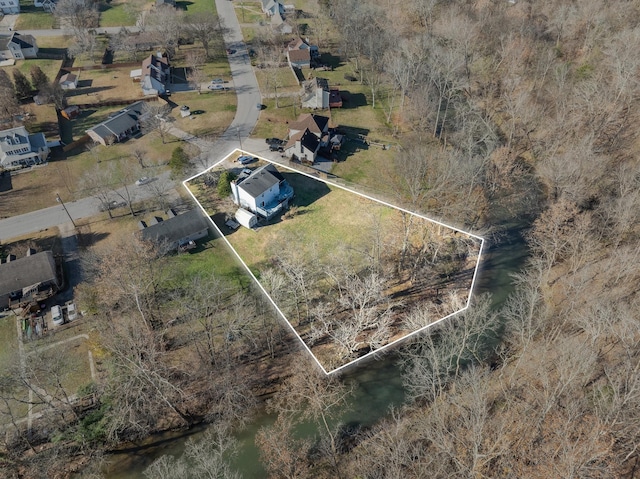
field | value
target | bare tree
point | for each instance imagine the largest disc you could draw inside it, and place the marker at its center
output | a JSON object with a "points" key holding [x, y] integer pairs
{"points": [[207, 29]]}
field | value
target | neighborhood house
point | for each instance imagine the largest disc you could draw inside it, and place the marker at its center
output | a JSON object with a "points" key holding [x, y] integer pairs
{"points": [[176, 231], [23, 278], [120, 126], [17, 47], [306, 136], [10, 7], [154, 76], [18, 148], [263, 192]]}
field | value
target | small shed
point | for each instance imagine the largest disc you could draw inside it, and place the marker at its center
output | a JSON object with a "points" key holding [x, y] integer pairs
{"points": [[70, 112], [246, 218], [68, 81]]}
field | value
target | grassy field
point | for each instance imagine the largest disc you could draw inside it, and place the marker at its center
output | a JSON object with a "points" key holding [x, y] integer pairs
{"points": [[218, 110], [34, 19], [49, 67], [197, 6], [249, 12], [119, 13], [95, 86], [287, 82]]}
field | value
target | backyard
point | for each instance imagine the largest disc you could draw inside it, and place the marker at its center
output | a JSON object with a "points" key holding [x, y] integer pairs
{"points": [[351, 274]]}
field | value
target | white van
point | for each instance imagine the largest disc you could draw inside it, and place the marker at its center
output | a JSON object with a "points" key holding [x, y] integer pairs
{"points": [[56, 315]]}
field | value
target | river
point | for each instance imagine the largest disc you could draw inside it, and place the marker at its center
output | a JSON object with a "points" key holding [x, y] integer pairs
{"points": [[378, 385]]}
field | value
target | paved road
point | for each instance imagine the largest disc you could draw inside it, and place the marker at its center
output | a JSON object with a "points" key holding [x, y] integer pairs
{"points": [[247, 114]]}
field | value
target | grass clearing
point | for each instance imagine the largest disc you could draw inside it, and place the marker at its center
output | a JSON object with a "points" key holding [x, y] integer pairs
{"points": [[372, 274], [49, 67], [119, 13], [95, 86], [34, 19], [249, 12], [197, 6], [218, 110]]}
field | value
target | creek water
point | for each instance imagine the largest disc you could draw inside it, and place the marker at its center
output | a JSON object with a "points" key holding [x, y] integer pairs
{"points": [[377, 385]]}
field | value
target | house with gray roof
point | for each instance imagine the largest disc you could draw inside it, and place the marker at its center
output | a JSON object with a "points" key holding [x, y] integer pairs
{"points": [[24, 277], [175, 231], [264, 191], [17, 46], [120, 126], [155, 75], [19, 149]]}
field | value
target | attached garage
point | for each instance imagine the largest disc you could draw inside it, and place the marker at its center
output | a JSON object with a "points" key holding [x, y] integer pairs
{"points": [[246, 218]]}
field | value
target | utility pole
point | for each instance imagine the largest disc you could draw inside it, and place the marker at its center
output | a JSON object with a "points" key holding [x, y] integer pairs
{"points": [[239, 138], [59, 200]]}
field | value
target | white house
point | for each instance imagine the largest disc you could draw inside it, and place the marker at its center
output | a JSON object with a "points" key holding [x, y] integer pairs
{"points": [[10, 7], [263, 192], [303, 147], [19, 148], [272, 7], [316, 93], [68, 81], [16, 46]]}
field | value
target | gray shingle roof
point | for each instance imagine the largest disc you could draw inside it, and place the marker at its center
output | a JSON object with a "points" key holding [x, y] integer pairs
{"points": [[27, 271], [174, 229], [120, 123], [261, 180]]}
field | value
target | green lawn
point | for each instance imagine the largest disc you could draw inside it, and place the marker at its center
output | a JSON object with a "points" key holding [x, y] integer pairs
{"points": [[218, 110], [117, 14], [249, 12], [35, 20], [198, 6], [49, 67]]}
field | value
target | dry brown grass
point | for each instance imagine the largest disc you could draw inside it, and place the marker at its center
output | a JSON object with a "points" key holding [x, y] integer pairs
{"points": [[95, 86]]}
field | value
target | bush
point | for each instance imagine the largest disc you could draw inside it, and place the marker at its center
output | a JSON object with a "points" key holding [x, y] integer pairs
{"points": [[224, 184], [179, 162]]}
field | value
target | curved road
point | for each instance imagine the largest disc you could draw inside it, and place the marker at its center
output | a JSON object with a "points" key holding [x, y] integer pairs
{"points": [[247, 113]]}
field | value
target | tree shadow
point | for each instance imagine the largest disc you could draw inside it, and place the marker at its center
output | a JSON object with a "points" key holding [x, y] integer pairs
{"points": [[331, 60], [183, 5], [352, 100], [88, 91]]}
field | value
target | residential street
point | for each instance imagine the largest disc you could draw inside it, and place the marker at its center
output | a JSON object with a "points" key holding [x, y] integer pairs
{"points": [[247, 113]]}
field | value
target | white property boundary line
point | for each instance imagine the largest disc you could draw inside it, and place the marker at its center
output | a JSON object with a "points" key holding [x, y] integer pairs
{"points": [[264, 291]]}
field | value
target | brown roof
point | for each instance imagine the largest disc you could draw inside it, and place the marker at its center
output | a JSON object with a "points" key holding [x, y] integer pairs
{"points": [[293, 138], [299, 55], [314, 123], [68, 77], [295, 44]]}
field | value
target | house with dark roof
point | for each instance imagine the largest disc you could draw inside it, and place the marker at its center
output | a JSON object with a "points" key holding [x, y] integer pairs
{"points": [[303, 147], [17, 46], [176, 231], [27, 276], [119, 126], [155, 75], [18, 148], [316, 124], [264, 191]]}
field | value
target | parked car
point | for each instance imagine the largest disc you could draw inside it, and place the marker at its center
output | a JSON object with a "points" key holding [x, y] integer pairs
{"points": [[275, 147], [184, 108], [217, 81], [217, 86], [72, 312], [186, 246], [143, 181], [245, 160], [274, 141], [56, 315]]}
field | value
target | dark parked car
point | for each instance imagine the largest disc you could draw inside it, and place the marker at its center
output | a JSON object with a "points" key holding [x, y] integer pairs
{"points": [[274, 141], [245, 160], [275, 147]]}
